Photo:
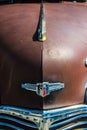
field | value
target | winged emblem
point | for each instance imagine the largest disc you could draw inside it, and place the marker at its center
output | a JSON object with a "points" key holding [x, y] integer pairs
{"points": [[43, 89]]}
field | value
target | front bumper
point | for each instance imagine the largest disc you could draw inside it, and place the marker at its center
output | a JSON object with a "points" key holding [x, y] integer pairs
{"points": [[62, 118]]}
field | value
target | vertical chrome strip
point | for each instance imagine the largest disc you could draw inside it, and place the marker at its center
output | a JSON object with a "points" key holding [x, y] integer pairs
{"points": [[42, 24]]}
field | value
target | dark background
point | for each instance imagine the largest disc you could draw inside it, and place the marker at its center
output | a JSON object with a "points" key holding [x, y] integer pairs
{"points": [[26, 1]]}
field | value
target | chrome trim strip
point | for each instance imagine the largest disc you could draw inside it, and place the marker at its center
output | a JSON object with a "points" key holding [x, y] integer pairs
{"points": [[75, 125], [86, 62], [17, 121], [45, 118], [42, 24], [9, 125], [68, 121]]}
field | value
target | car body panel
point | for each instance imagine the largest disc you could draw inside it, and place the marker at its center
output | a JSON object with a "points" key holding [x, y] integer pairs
{"points": [[61, 58]]}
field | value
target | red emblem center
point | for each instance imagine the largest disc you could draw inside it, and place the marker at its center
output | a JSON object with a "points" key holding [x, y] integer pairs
{"points": [[44, 92]]}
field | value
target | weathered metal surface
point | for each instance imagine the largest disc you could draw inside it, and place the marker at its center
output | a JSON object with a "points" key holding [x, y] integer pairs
{"points": [[61, 58], [65, 118], [20, 56], [43, 89], [42, 24], [64, 53]]}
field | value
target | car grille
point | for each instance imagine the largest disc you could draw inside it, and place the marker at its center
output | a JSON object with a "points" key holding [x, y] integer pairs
{"points": [[78, 122], [11, 122], [67, 118]]}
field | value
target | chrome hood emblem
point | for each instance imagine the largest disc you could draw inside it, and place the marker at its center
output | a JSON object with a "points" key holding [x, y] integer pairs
{"points": [[43, 89]]}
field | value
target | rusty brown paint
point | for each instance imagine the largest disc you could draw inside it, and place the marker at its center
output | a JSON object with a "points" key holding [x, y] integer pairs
{"points": [[61, 58]]}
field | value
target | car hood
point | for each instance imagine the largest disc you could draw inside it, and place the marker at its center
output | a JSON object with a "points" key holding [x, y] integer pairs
{"points": [[59, 59]]}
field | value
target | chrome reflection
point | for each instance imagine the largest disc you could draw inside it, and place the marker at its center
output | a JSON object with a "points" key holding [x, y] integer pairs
{"points": [[67, 121], [16, 121], [42, 24], [47, 119], [10, 126]]}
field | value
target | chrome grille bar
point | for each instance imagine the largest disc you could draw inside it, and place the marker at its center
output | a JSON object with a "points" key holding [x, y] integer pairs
{"points": [[10, 126], [75, 125], [67, 121], [17, 121]]}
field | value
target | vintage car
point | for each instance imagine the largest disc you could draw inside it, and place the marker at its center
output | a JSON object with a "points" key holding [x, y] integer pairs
{"points": [[43, 66]]}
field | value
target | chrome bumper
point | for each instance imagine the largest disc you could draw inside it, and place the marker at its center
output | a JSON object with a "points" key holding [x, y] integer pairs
{"points": [[62, 118]]}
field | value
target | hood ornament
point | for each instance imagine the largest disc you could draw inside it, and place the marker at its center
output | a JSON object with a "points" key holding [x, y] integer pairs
{"points": [[43, 89], [42, 24]]}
